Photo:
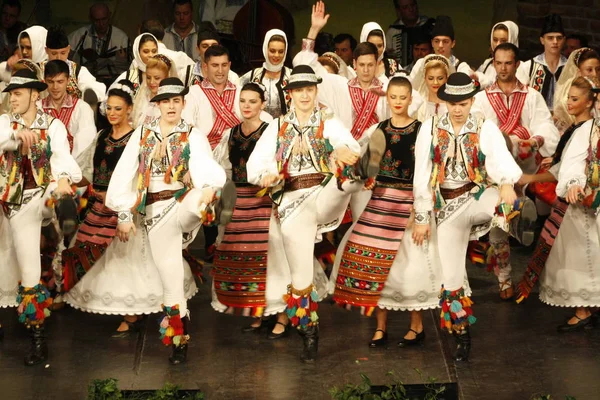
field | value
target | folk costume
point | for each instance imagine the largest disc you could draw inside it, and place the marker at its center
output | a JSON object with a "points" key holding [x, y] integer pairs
{"points": [[137, 68], [429, 109], [309, 200], [377, 263], [193, 73], [26, 185], [487, 67], [522, 115], [455, 176], [571, 276], [278, 101], [536, 73], [37, 36], [149, 181]]}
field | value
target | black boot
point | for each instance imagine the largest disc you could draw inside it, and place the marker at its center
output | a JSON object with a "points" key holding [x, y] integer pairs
{"points": [[368, 165], [226, 203], [66, 212], [463, 345], [39, 348], [310, 337], [179, 353]]}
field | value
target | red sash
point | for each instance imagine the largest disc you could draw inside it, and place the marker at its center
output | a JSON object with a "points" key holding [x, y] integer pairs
{"points": [[364, 107], [64, 115], [509, 119], [223, 108]]}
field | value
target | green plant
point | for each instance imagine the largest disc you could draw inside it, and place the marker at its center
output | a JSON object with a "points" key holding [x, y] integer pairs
{"points": [[104, 389], [394, 389]]}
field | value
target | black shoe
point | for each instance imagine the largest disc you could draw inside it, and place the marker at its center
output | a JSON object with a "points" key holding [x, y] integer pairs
{"points": [[275, 336], [420, 338], [379, 342], [66, 212], [38, 353], [264, 324], [133, 328], [178, 354], [463, 345], [526, 222], [310, 337], [368, 165], [226, 203], [587, 323]]}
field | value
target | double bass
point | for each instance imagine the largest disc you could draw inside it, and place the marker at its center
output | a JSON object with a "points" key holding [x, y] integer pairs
{"points": [[251, 24]]}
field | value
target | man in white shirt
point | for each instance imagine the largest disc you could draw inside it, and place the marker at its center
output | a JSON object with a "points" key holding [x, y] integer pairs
{"points": [[101, 47], [522, 115], [181, 35], [194, 74]]}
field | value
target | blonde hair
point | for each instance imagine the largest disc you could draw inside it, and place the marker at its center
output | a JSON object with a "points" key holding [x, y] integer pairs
{"points": [[434, 64], [590, 84]]}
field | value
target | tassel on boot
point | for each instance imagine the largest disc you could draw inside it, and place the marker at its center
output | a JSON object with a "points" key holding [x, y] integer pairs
{"points": [[38, 353], [179, 352], [463, 345]]}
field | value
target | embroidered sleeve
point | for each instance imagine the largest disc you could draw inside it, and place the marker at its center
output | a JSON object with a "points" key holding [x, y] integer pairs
{"points": [[574, 161], [125, 216], [308, 45], [422, 217]]}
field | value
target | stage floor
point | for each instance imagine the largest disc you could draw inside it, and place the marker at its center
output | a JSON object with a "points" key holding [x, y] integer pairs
{"points": [[516, 354]]}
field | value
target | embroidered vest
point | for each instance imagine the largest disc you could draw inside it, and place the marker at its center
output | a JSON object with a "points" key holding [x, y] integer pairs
{"points": [[177, 151], [592, 189], [13, 165], [319, 148], [469, 148]]}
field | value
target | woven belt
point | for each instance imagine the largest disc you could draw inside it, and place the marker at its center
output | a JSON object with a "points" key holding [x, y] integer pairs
{"points": [[395, 185], [302, 182], [449, 194], [160, 196]]}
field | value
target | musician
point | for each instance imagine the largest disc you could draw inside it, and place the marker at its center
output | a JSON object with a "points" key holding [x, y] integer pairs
{"points": [[220, 13], [181, 35], [101, 47]]}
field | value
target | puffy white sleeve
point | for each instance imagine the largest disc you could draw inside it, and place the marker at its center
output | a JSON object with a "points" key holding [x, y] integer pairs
{"points": [[82, 127], [523, 72], [7, 142], [85, 160], [234, 78], [245, 78], [4, 72], [122, 192], [205, 171], [423, 195], [262, 161], [85, 81], [574, 160], [221, 153], [62, 163], [542, 125], [500, 165], [191, 111], [417, 102], [338, 135]]}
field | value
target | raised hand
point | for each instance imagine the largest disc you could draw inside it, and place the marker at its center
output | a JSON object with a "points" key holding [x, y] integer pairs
{"points": [[318, 18]]}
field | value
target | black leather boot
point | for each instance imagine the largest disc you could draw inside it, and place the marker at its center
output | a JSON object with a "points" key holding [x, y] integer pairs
{"points": [[310, 337], [39, 348], [66, 212], [226, 203], [179, 353], [463, 345], [368, 165]]}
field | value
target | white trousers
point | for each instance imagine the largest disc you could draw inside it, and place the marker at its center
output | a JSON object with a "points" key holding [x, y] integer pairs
{"points": [[310, 210], [454, 233], [168, 223]]}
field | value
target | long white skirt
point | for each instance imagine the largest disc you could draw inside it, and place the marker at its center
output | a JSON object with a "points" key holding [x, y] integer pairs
{"points": [[571, 277], [9, 268], [125, 281]]}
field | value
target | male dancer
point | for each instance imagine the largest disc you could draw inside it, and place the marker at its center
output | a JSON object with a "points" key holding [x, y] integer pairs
{"points": [[521, 114]]}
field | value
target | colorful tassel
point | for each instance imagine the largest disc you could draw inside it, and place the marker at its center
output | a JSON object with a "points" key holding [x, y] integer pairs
{"points": [[33, 304], [171, 327], [457, 312], [302, 311]]}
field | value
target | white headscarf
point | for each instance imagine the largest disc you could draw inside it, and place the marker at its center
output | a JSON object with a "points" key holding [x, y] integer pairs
{"points": [[562, 118], [364, 34], [343, 69], [37, 36], [513, 32], [267, 64], [137, 59]]}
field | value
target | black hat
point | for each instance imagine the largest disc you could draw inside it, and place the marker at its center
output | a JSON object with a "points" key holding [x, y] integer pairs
{"points": [[458, 87], [443, 27], [25, 79], [302, 76], [56, 38], [168, 88], [552, 23]]}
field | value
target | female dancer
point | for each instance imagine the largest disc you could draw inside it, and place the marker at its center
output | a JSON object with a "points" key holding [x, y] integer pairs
{"points": [[158, 67], [378, 266], [124, 281], [144, 47], [372, 33], [502, 32], [582, 62], [572, 272], [436, 69], [273, 74]]}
